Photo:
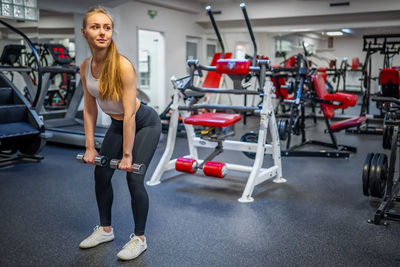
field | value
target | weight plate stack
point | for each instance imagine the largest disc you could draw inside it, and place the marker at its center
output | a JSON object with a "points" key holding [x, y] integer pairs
{"points": [[377, 178]]}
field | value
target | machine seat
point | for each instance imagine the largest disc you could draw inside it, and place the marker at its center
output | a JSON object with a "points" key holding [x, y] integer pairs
{"points": [[340, 125], [213, 119]]}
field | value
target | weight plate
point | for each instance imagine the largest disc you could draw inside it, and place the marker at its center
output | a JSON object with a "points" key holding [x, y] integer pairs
{"points": [[283, 129], [297, 126], [372, 169], [378, 181], [250, 137], [365, 173], [387, 137]]}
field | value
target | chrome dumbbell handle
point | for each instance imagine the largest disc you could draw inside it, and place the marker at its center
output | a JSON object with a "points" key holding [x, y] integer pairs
{"points": [[136, 168], [99, 160]]}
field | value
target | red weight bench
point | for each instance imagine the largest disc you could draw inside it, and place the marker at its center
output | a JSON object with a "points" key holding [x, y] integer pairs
{"points": [[322, 71], [389, 79], [330, 102]]}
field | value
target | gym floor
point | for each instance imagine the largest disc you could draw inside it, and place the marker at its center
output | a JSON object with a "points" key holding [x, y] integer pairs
{"points": [[318, 218]]}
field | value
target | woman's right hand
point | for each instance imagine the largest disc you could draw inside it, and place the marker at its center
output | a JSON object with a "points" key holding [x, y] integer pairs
{"points": [[90, 154]]}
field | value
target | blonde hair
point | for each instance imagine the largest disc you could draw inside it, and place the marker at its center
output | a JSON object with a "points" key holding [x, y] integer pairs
{"points": [[110, 82]]}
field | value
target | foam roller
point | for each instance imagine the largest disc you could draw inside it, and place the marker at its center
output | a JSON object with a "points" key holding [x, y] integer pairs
{"points": [[186, 165], [215, 169]]}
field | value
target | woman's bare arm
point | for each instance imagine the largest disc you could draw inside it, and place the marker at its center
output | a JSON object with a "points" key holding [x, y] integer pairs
{"points": [[128, 76], [89, 114]]}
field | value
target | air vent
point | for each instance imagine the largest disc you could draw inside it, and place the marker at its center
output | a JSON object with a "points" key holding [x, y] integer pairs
{"points": [[340, 4]]}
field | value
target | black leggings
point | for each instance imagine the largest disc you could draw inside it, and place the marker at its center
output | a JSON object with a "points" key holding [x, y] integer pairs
{"points": [[148, 130]]}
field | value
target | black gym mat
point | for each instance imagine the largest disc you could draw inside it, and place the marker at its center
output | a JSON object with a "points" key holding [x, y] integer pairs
{"points": [[318, 218]]}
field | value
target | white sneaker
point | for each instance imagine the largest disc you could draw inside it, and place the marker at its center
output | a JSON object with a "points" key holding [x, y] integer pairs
{"points": [[133, 248], [97, 237]]}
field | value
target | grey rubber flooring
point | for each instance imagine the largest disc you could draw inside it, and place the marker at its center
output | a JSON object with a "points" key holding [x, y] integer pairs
{"points": [[318, 218]]}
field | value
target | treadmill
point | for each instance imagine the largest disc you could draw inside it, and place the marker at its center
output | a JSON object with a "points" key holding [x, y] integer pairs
{"points": [[61, 122], [10, 61]]}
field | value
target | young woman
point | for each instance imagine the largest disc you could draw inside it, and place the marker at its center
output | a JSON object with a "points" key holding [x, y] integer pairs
{"points": [[109, 79]]}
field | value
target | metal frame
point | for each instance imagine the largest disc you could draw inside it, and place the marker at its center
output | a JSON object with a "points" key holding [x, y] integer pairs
{"points": [[257, 173]]}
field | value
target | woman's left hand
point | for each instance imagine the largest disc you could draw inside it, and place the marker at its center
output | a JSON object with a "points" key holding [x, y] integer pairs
{"points": [[126, 163]]}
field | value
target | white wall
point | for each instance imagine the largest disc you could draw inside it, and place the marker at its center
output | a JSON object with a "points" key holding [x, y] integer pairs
{"points": [[175, 26]]}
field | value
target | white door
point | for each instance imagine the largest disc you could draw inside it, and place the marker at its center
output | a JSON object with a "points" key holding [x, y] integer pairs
{"points": [[151, 68]]}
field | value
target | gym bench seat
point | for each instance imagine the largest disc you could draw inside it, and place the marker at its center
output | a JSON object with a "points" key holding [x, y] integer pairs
{"points": [[213, 119], [345, 124]]}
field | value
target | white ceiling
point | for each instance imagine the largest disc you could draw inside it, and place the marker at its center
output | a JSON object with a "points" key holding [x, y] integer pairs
{"points": [[231, 19]]}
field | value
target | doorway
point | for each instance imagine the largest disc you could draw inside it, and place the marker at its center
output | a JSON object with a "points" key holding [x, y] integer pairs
{"points": [[151, 67]]}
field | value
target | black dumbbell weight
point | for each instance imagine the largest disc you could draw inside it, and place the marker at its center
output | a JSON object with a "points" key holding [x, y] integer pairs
{"points": [[136, 168], [99, 160]]}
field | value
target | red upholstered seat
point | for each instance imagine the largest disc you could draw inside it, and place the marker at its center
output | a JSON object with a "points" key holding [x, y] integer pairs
{"points": [[355, 63], [389, 76], [233, 66], [389, 79], [213, 79], [324, 75], [291, 62], [283, 92], [345, 100], [213, 119], [322, 69], [340, 125]]}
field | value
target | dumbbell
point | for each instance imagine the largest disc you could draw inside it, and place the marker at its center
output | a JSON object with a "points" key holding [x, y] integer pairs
{"points": [[136, 168], [99, 160]]}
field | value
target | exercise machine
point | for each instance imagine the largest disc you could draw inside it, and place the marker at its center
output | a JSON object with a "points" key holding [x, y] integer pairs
{"points": [[218, 126], [22, 133], [311, 87], [379, 176], [387, 45], [61, 121]]}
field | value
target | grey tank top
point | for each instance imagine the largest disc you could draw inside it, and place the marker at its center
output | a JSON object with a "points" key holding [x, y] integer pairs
{"points": [[92, 84]]}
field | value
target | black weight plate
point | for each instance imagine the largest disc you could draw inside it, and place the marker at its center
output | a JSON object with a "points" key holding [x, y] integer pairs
{"points": [[387, 137], [297, 126], [365, 173], [251, 138], [282, 129], [372, 169], [380, 176]]}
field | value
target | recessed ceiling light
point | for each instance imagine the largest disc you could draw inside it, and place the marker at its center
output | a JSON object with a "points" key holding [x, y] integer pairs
{"points": [[335, 33], [349, 31]]}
